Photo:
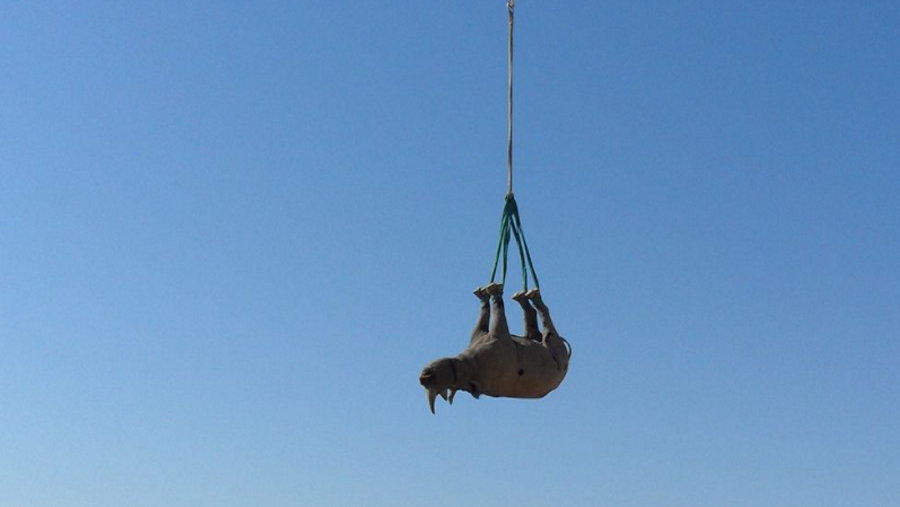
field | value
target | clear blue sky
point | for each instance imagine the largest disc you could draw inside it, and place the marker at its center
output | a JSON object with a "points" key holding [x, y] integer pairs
{"points": [[232, 233]]}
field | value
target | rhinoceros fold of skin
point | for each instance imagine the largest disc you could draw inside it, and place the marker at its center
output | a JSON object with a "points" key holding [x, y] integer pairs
{"points": [[497, 363]]}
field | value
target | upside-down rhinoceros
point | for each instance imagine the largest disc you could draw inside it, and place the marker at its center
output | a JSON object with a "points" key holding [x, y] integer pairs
{"points": [[497, 363]]}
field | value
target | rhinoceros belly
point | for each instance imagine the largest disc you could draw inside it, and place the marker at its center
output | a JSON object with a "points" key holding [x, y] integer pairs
{"points": [[519, 367]]}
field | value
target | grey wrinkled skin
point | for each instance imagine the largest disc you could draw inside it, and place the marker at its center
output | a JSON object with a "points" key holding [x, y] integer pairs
{"points": [[497, 363]]}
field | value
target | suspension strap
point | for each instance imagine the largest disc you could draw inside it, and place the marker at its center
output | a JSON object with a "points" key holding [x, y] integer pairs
{"points": [[510, 6], [511, 226]]}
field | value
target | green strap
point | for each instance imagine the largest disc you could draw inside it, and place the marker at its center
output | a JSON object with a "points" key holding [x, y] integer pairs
{"points": [[501, 244], [523, 245], [511, 226]]}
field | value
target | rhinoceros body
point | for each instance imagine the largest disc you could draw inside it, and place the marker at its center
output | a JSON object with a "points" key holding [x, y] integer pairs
{"points": [[497, 363]]}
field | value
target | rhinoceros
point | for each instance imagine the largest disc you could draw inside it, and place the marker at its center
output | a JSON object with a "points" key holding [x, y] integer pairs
{"points": [[497, 363]]}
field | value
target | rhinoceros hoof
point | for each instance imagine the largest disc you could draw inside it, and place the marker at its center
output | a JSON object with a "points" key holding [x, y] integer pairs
{"points": [[494, 289], [534, 295], [520, 296]]}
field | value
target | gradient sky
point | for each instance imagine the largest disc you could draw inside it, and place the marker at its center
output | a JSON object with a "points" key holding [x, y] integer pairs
{"points": [[232, 233]]}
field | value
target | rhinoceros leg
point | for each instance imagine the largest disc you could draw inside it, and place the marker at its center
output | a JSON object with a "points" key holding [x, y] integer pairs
{"points": [[535, 296], [484, 314], [498, 326], [531, 327]]}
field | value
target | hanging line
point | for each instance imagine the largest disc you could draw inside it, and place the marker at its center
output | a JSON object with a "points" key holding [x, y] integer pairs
{"points": [[510, 6], [510, 222]]}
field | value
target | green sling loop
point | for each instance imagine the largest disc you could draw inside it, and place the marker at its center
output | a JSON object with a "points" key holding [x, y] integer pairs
{"points": [[511, 225]]}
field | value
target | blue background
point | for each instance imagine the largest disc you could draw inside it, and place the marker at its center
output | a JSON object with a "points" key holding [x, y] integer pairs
{"points": [[232, 233]]}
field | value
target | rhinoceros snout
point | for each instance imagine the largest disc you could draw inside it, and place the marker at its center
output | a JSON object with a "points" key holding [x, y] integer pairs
{"points": [[427, 378], [437, 378]]}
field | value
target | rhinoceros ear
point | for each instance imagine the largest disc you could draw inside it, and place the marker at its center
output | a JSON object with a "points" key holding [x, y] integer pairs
{"points": [[474, 389]]}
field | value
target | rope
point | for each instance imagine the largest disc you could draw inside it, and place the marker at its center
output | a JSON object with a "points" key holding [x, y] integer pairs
{"points": [[510, 6]]}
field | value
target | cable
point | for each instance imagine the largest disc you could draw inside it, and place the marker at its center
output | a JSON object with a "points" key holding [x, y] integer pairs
{"points": [[510, 5]]}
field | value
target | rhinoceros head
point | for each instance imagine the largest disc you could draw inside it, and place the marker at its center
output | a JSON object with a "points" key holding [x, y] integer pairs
{"points": [[446, 376]]}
